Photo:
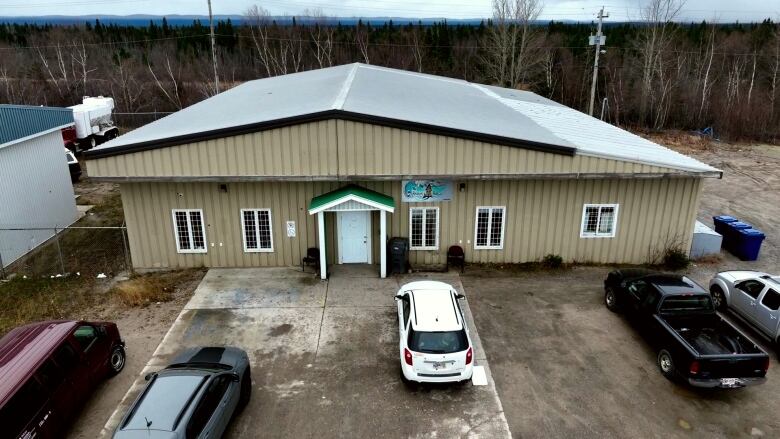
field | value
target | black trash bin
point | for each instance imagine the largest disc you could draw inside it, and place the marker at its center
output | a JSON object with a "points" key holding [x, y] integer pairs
{"points": [[397, 255]]}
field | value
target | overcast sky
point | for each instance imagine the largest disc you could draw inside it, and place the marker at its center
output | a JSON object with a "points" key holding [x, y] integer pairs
{"points": [[723, 10]]}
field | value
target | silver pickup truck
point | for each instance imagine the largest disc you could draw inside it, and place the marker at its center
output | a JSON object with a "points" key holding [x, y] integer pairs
{"points": [[752, 295]]}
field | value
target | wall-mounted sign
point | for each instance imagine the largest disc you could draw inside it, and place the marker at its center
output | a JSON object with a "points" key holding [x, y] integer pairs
{"points": [[291, 229], [420, 191]]}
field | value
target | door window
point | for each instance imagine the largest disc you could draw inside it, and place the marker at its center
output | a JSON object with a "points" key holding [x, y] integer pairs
{"points": [[406, 308], [771, 300], [65, 357], [638, 289], [751, 287], [50, 375], [85, 335], [207, 405]]}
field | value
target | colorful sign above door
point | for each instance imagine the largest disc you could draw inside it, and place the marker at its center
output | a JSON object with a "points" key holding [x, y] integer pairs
{"points": [[420, 191]]}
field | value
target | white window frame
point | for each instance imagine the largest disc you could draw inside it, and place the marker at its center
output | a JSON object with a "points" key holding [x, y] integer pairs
{"points": [[257, 231], [597, 234], [424, 223], [205, 248], [490, 226]]}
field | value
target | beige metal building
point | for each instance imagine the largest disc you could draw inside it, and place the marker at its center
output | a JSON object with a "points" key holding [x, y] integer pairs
{"points": [[343, 158]]}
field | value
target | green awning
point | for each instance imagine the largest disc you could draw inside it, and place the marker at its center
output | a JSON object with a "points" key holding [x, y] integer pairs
{"points": [[352, 192]]}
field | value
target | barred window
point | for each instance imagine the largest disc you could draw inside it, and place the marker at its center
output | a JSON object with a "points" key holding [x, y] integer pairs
{"points": [[424, 228], [256, 228], [599, 220], [190, 230], [489, 230]]}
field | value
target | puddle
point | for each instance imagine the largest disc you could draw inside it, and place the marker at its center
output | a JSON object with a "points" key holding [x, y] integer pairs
{"points": [[280, 330]]}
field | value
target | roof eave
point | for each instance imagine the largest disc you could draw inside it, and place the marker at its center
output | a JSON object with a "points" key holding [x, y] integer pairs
{"points": [[328, 115]]}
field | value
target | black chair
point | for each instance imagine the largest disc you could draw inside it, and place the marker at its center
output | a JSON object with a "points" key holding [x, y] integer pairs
{"points": [[456, 256], [312, 258]]}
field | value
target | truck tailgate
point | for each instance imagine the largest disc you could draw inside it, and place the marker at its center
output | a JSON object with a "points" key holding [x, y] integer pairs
{"points": [[733, 366]]}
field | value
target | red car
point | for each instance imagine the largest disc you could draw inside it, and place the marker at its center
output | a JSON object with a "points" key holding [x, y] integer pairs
{"points": [[49, 369]]}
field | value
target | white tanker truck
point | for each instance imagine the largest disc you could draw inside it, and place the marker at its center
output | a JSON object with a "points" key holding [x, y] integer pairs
{"points": [[93, 123]]}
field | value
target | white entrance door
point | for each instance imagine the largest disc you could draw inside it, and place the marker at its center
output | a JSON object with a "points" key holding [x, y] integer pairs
{"points": [[354, 237]]}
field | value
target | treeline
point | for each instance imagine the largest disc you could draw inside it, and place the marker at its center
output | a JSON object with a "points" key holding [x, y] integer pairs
{"points": [[653, 75]]}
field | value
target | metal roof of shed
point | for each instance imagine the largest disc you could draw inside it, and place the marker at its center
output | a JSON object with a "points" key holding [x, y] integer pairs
{"points": [[20, 122], [404, 99]]}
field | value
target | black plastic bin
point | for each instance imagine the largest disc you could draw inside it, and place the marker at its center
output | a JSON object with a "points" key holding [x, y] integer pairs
{"points": [[397, 255]]}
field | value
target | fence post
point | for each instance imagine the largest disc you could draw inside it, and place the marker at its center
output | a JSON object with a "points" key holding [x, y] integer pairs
{"points": [[128, 262], [2, 267], [59, 251]]}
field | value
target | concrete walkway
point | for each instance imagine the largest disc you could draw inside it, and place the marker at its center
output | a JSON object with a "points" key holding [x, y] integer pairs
{"points": [[324, 357]]}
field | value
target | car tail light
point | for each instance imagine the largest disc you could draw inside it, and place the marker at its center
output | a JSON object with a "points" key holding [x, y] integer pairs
{"points": [[694, 368], [407, 356], [766, 365], [469, 356]]}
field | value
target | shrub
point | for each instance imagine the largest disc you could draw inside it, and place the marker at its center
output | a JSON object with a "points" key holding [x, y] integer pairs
{"points": [[675, 259], [552, 261]]}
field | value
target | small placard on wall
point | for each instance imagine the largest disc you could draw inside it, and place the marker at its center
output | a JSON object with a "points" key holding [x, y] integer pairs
{"points": [[291, 229]]}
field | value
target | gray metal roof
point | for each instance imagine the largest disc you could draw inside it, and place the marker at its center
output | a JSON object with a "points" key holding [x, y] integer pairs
{"points": [[408, 97], [18, 122]]}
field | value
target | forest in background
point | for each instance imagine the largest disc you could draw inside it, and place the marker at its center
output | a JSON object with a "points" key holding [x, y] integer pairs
{"points": [[654, 75]]}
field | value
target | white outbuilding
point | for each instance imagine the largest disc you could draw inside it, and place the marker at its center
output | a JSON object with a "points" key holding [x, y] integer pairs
{"points": [[36, 194]]}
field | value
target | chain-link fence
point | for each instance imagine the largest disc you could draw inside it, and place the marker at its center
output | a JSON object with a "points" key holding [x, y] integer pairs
{"points": [[85, 251]]}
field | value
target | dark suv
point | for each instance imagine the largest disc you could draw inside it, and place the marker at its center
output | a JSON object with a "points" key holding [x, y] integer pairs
{"points": [[195, 397], [49, 369]]}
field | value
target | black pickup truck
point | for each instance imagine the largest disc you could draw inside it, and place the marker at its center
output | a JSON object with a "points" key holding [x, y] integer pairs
{"points": [[677, 317]]}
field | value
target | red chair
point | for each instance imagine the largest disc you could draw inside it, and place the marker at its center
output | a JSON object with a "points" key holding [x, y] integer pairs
{"points": [[456, 256]]}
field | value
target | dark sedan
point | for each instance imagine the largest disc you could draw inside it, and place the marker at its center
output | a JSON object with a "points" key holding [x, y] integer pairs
{"points": [[195, 397]]}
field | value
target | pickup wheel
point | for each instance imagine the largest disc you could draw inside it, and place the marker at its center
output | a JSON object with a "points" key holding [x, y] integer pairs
{"points": [[610, 299], [666, 364], [718, 298], [117, 360]]}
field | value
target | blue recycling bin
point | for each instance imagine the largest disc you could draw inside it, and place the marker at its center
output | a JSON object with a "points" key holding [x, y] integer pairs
{"points": [[721, 221], [731, 238], [748, 244]]}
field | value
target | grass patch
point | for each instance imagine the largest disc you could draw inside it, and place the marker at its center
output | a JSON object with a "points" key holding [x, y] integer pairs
{"points": [[143, 289], [24, 301]]}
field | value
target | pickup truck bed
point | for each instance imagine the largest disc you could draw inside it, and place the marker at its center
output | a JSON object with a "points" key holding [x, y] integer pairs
{"points": [[711, 335]]}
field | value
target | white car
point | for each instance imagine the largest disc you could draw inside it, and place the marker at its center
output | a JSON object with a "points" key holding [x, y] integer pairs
{"points": [[752, 295], [434, 344]]}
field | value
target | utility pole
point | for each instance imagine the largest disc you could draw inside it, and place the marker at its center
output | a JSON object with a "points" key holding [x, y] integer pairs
{"points": [[598, 41], [214, 50]]}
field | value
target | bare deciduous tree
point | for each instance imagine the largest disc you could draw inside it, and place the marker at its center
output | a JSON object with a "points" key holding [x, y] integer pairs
{"points": [[513, 43], [361, 37], [322, 34], [172, 96], [655, 40]]}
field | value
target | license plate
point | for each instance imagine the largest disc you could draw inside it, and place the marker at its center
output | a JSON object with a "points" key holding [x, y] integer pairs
{"points": [[439, 366], [728, 382]]}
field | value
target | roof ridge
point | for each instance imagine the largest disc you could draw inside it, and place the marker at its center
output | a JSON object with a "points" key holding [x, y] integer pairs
{"points": [[338, 103]]}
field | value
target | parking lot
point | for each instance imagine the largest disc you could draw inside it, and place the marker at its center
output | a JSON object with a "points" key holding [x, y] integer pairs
{"points": [[566, 367], [324, 358]]}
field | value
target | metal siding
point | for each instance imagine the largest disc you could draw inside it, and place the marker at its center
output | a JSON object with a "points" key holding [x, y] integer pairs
{"points": [[19, 121], [36, 192], [542, 217], [344, 149]]}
